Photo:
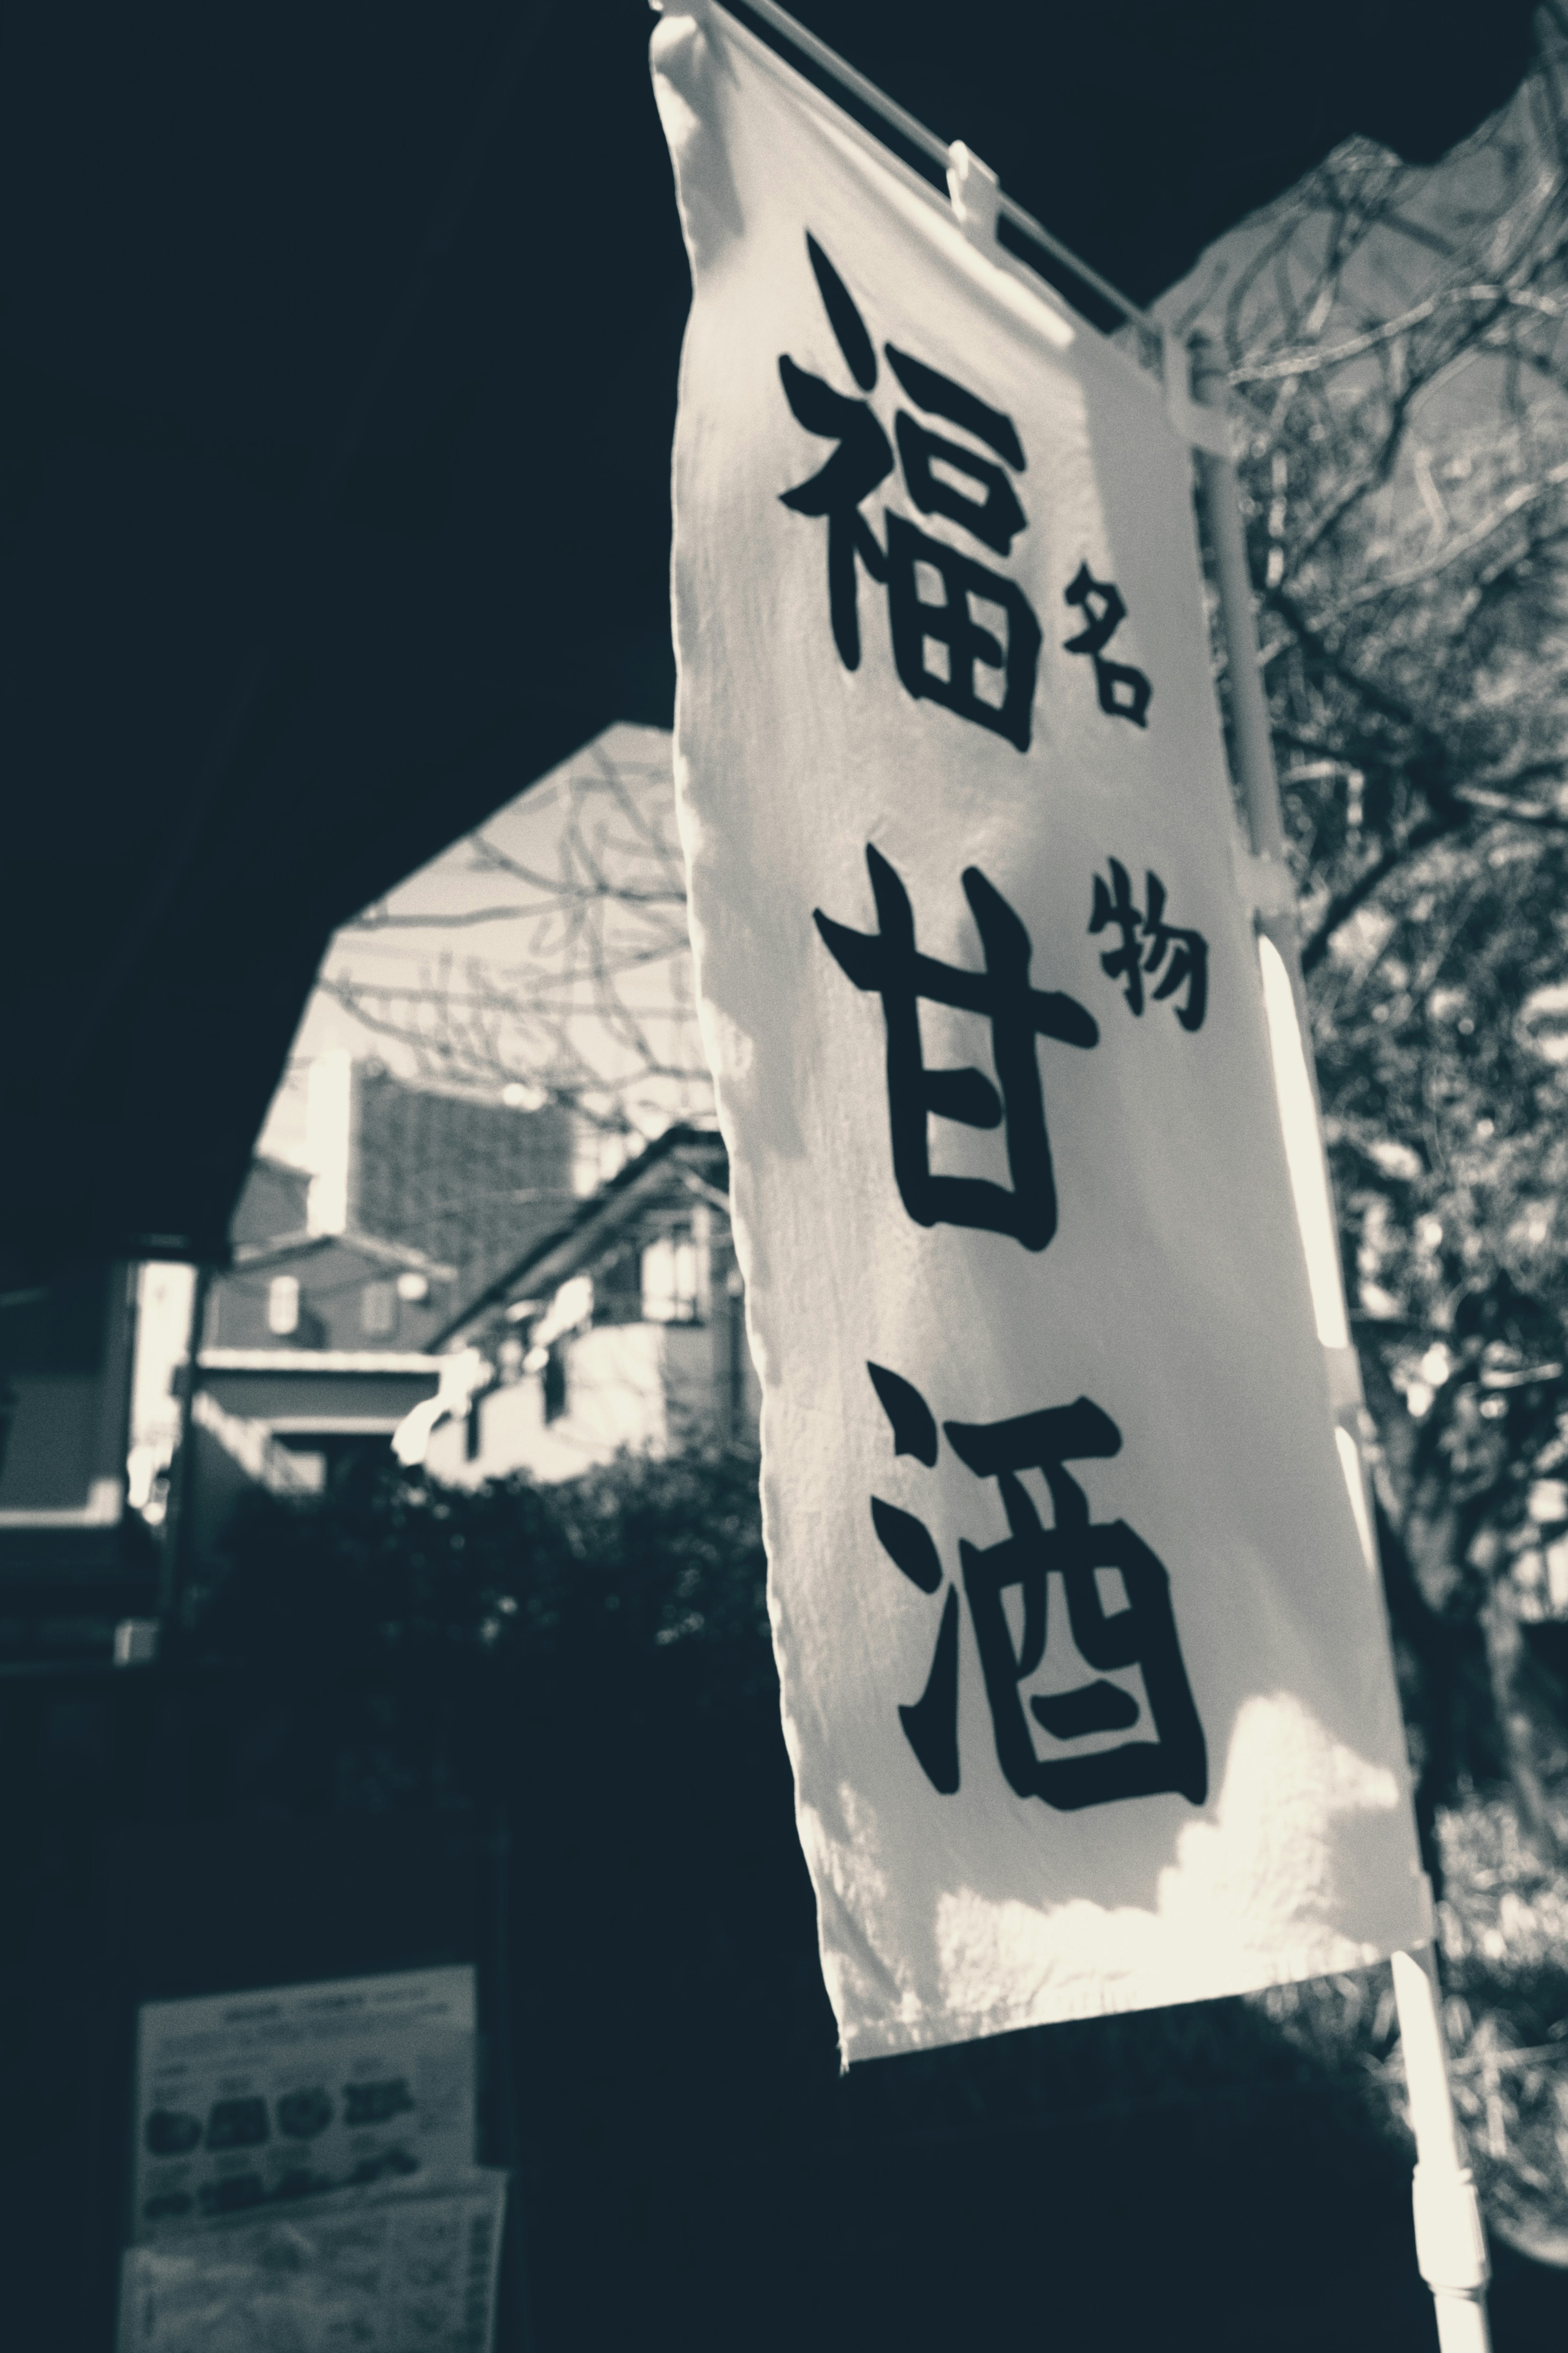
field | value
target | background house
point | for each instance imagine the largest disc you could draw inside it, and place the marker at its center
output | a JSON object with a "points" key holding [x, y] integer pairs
{"points": [[73, 1562], [319, 1337], [624, 1328]]}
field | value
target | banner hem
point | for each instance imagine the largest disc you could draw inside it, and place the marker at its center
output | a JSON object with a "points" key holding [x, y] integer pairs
{"points": [[938, 2031]]}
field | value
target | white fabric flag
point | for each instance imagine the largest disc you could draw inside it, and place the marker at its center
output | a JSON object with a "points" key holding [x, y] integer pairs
{"points": [[1086, 1675]]}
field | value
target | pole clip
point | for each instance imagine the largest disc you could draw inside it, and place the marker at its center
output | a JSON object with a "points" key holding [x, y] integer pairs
{"points": [[976, 195], [1207, 427], [1263, 883]]}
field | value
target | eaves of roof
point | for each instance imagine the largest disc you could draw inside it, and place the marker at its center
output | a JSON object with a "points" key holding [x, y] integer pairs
{"points": [[254, 1258], [316, 1360], [600, 1217]]}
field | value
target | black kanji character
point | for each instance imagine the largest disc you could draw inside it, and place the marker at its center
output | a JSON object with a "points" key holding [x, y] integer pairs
{"points": [[970, 670], [1146, 940], [1105, 609], [886, 962], [1143, 1634]]}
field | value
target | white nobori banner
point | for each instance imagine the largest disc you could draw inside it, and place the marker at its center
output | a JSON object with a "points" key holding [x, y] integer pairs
{"points": [[1086, 1676]]}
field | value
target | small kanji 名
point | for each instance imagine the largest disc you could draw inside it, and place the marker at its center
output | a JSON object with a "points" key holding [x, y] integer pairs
{"points": [[1124, 692], [1146, 940], [887, 962]]}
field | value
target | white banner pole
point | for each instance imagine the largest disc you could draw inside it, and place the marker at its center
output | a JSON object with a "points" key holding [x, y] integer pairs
{"points": [[1450, 2240]]}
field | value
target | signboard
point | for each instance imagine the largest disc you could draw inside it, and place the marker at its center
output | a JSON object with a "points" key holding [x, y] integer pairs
{"points": [[1085, 1671], [411, 2273], [252, 2099]]}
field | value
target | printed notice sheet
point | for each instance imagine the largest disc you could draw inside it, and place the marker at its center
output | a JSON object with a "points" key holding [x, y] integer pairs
{"points": [[248, 2100], [383, 2271]]}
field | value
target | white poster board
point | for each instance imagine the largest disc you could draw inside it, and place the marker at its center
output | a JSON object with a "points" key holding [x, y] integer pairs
{"points": [[250, 2100], [1086, 1675]]}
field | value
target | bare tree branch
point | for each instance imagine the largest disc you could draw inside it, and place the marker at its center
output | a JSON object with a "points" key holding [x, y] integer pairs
{"points": [[1398, 854]]}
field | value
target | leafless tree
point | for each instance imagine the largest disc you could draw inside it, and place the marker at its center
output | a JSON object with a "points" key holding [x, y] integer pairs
{"points": [[587, 997], [1396, 338]]}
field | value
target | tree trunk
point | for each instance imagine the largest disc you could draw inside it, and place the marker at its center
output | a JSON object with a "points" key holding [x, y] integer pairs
{"points": [[1506, 1663]]}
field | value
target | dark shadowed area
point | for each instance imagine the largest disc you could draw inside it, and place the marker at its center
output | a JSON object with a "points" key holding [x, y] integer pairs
{"points": [[337, 388], [538, 1730]]}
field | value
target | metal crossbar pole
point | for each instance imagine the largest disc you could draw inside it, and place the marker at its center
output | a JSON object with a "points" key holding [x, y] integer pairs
{"points": [[1450, 2241], [914, 131]]}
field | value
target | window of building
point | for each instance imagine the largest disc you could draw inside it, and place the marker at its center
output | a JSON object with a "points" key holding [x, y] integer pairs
{"points": [[554, 1381], [618, 1287], [283, 1306], [669, 1279], [378, 1310], [311, 1463]]}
